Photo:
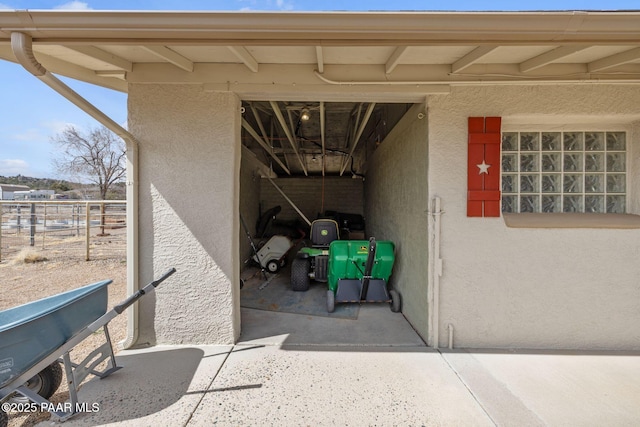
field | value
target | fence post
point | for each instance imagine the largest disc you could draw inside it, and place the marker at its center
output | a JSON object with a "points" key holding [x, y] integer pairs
{"points": [[76, 218], [44, 225], [32, 234], [102, 218], [87, 231], [1, 212]]}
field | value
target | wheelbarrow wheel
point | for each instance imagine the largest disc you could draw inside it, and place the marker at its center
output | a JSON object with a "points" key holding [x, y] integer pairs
{"points": [[331, 301], [300, 269], [395, 300], [4, 419], [273, 266], [45, 383]]}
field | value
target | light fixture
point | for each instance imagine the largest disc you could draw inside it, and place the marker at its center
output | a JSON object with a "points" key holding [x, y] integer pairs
{"points": [[305, 114]]}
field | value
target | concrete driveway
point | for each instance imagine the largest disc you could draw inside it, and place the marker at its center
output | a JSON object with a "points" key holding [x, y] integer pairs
{"points": [[292, 370]]}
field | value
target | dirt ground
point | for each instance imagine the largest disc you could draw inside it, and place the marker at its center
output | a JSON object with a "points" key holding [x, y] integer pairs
{"points": [[24, 282]]}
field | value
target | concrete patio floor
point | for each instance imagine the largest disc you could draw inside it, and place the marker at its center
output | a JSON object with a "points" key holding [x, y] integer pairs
{"points": [[299, 370]]}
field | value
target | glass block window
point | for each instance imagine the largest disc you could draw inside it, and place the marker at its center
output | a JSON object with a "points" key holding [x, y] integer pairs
{"points": [[564, 172]]}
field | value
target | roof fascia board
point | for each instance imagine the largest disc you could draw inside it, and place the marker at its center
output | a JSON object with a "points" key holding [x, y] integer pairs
{"points": [[319, 27]]}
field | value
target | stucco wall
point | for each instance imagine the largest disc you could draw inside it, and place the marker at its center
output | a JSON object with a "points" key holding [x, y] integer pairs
{"points": [[189, 181], [534, 288], [396, 205]]}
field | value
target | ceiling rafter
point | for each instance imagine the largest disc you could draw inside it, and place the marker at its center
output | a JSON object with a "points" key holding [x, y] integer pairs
{"points": [[614, 60], [472, 57], [283, 124], [263, 144], [170, 56], [256, 115], [103, 56], [245, 56], [549, 57], [357, 136], [394, 59]]}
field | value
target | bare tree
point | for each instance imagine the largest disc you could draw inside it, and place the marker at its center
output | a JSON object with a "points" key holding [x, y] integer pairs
{"points": [[97, 156]]}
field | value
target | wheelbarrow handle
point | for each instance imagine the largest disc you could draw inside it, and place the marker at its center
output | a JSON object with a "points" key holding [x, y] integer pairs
{"points": [[148, 288]]}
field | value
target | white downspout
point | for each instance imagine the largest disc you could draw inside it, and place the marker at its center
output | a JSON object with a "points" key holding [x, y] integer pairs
{"points": [[21, 45]]}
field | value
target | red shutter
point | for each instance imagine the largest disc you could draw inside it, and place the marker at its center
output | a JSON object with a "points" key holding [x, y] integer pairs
{"points": [[483, 171]]}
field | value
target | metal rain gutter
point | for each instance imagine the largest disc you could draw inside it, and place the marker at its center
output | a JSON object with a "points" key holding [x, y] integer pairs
{"points": [[22, 46]]}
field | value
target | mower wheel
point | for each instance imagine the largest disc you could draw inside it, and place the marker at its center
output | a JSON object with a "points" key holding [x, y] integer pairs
{"points": [[300, 268], [331, 301], [273, 266], [395, 300]]}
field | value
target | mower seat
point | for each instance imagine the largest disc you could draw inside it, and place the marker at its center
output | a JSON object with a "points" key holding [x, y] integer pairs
{"points": [[323, 232]]}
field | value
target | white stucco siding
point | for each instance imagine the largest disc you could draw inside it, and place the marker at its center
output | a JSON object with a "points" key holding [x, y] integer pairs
{"points": [[534, 288], [189, 181]]}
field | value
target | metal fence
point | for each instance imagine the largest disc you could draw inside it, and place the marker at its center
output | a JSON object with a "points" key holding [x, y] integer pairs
{"points": [[89, 229]]}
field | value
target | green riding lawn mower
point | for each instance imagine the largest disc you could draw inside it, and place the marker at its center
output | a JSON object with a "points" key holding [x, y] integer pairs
{"points": [[355, 270]]}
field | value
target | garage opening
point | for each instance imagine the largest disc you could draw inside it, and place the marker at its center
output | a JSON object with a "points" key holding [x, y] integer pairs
{"points": [[362, 165]]}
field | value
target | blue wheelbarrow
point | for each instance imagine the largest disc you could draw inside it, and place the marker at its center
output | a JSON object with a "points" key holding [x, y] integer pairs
{"points": [[37, 336]]}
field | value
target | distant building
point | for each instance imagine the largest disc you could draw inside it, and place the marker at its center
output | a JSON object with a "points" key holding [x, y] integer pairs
{"points": [[33, 195], [7, 190]]}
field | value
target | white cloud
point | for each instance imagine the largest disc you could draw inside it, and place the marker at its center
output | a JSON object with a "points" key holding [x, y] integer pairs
{"points": [[56, 127], [5, 6], [284, 5], [73, 5], [44, 132], [29, 135], [12, 167], [267, 5]]}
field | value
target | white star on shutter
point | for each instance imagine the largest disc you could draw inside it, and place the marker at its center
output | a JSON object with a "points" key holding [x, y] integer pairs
{"points": [[484, 168]]}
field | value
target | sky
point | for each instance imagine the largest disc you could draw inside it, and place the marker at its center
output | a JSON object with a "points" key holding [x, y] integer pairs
{"points": [[31, 113]]}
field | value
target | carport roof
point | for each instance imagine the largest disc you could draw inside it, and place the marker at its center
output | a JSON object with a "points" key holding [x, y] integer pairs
{"points": [[392, 56]]}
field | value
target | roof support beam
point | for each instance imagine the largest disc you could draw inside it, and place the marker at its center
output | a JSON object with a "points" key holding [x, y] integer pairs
{"points": [[363, 124], [471, 57], [320, 59], [243, 55], [614, 60], [263, 144], [394, 59], [171, 56], [103, 56], [549, 57], [256, 115], [283, 123]]}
